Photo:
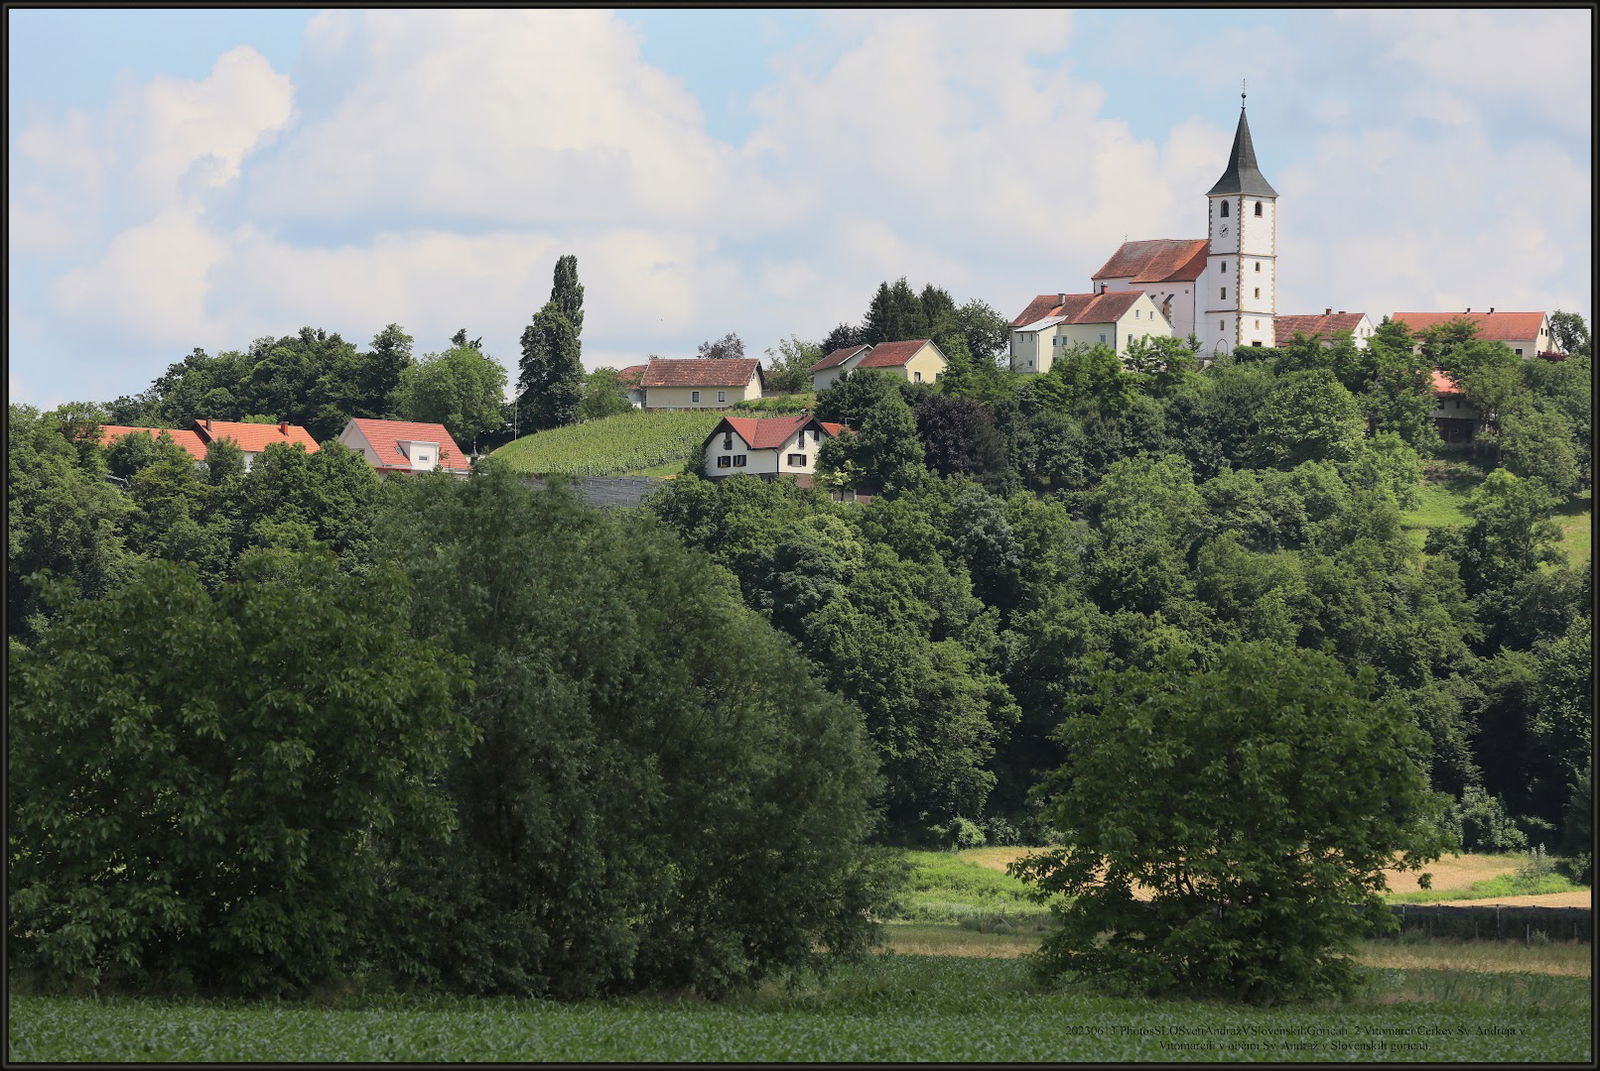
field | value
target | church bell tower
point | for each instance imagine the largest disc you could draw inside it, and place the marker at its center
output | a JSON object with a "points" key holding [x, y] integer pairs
{"points": [[1239, 290]]}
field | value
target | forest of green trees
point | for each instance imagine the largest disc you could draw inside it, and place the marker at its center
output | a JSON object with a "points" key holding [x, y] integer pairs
{"points": [[274, 726]]}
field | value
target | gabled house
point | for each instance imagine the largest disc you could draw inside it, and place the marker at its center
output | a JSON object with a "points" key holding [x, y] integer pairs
{"points": [[1323, 327], [190, 441], [1457, 422], [916, 360], [630, 377], [1054, 323], [254, 438], [701, 382], [1527, 333], [826, 372], [393, 446], [767, 446]]}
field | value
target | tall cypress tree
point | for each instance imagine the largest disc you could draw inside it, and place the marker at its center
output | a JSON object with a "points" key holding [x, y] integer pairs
{"points": [[550, 387], [567, 292]]}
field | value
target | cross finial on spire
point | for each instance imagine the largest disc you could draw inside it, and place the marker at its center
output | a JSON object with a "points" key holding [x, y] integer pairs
{"points": [[1241, 92]]}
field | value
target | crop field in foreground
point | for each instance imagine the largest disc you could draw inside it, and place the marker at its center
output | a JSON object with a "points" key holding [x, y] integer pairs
{"points": [[892, 1007]]}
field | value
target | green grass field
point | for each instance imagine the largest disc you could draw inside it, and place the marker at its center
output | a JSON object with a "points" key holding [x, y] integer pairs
{"points": [[1574, 520], [891, 1007], [1444, 494]]}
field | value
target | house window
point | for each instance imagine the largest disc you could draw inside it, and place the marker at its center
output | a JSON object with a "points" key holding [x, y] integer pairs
{"points": [[1255, 343], [797, 461], [694, 396], [727, 440], [1519, 353], [1136, 314], [1224, 210], [739, 460], [1258, 208], [722, 395], [724, 462], [1102, 338], [918, 375]]}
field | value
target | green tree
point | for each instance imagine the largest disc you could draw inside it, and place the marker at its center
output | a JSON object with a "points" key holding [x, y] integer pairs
{"points": [[62, 519], [1307, 416], [896, 314], [788, 368], [1400, 397], [1570, 333], [567, 292], [1258, 802], [462, 388], [884, 449], [1538, 445], [550, 387], [728, 346], [605, 394], [662, 797], [238, 803]]}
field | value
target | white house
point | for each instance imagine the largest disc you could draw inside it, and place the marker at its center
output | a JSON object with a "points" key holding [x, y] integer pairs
{"points": [[392, 446], [1324, 327], [631, 377], [1527, 333], [701, 382], [828, 371], [767, 446], [1054, 323], [1222, 288]]}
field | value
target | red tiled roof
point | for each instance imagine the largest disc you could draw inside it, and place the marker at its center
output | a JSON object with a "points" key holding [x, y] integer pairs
{"points": [[1159, 260], [1494, 326], [254, 438], [385, 436], [631, 375], [892, 354], [1443, 384], [700, 372], [770, 433], [838, 357], [1080, 308], [186, 439], [1319, 325]]}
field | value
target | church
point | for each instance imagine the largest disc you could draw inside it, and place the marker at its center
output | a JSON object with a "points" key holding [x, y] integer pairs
{"points": [[1223, 288]]}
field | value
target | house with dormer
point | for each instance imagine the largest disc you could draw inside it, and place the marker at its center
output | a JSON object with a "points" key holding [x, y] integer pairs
{"points": [[401, 446]]}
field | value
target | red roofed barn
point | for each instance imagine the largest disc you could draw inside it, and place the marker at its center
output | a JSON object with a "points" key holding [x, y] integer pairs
{"points": [[1527, 333], [392, 446]]}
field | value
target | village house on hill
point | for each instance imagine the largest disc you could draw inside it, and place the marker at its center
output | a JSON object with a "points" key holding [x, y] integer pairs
{"points": [[1053, 323], [1527, 333], [254, 438], [189, 440], [701, 382], [916, 360], [399, 446], [767, 447], [1168, 269], [1325, 328]]}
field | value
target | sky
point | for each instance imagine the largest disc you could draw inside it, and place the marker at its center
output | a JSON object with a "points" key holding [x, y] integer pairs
{"points": [[183, 179]]}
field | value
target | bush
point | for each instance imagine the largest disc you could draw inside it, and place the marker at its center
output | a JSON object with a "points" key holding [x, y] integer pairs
{"points": [[998, 831], [215, 790], [1485, 826], [663, 797], [964, 833]]}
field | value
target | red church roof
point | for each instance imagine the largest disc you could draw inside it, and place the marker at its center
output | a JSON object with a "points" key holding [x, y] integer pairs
{"points": [[1159, 260]]}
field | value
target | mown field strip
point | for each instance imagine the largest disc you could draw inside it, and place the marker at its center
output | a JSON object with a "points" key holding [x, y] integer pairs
{"points": [[911, 1008]]}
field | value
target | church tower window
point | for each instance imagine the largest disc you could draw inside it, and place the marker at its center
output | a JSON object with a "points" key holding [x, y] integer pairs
{"points": [[1224, 210], [1258, 208]]}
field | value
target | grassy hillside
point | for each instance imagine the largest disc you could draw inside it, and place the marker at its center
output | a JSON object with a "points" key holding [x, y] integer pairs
{"points": [[1444, 496], [628, 443]]}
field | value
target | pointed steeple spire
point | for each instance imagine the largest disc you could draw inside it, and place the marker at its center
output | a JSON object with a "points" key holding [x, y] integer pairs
{"points": [[1242, 176]]}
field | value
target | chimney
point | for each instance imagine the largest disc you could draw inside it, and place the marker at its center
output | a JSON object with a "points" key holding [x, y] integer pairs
{"points": [[1469, 308], [283, 426], [208, 423], [1491, 310], [1327, 312], [1341, 312]]}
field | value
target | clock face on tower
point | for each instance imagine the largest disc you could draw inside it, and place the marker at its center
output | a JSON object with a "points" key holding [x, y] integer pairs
{"points": [[1224, 228]]}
